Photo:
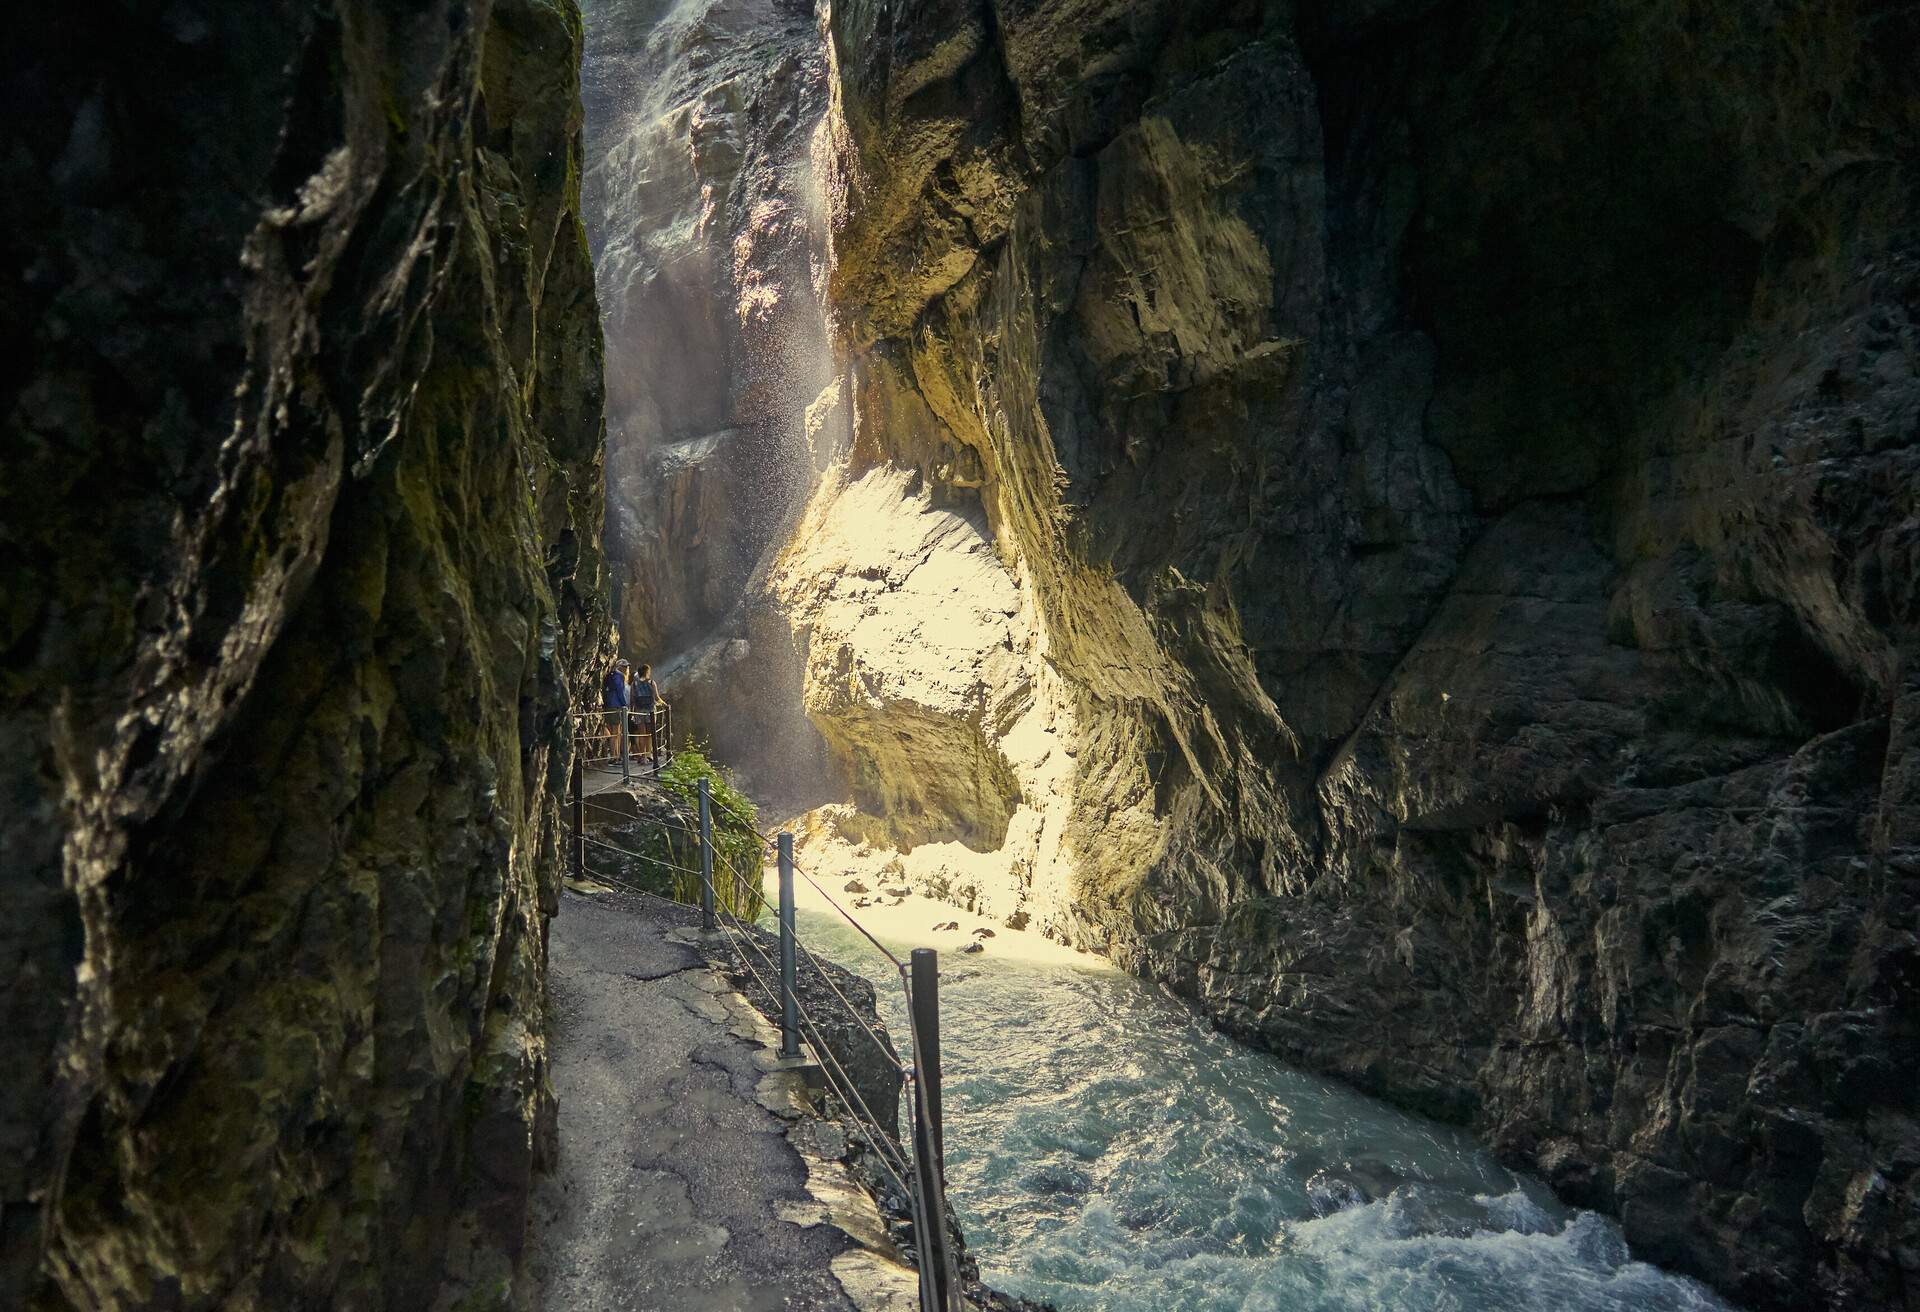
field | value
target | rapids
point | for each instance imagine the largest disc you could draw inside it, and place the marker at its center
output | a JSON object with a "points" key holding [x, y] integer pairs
{"points": [[1106, 1150]]}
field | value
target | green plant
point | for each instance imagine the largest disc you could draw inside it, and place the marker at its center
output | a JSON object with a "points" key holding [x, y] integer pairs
{"points": [[737, 846]]}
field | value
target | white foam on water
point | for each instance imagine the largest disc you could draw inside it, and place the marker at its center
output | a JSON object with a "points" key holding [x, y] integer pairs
{"points": [[1108, 1152]]}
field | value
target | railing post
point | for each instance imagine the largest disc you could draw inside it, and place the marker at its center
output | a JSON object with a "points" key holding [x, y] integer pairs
{"points": [[626, 768], [789, 1005], [653, 734], [926, 1024], [929, 1134], [579, 817], [706, 856]]}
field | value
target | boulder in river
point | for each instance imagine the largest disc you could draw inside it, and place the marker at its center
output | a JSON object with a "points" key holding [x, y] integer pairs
{"points": [[1328, 1193]]}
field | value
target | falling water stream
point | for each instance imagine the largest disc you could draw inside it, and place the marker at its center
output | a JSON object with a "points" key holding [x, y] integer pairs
{"points": [[1107, 1150]]}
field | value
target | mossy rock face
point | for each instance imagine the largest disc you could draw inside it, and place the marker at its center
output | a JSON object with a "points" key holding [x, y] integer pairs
{"points": [[302, 561]]}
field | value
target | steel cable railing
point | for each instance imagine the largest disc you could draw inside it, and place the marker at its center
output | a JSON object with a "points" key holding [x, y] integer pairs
{"points": [[879, 1138], [755, 897], [848, 917], [817, 887], [655, 821], [939, 1276], [721, 802], [639, 856], [607, 737], [747, 889], [820, 970], [844, 1086], [919, 1178], [885, 1049]]}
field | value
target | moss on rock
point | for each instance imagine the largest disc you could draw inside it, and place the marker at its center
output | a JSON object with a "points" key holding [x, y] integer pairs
{"points": [[314, 342]]}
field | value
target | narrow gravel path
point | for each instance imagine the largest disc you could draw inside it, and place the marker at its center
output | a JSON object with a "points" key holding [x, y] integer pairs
{"points": [[684, 1183]]}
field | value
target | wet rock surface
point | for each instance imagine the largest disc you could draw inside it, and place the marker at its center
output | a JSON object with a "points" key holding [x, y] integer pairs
{"points": [[708, 232], [300, 557], [698, 191]]}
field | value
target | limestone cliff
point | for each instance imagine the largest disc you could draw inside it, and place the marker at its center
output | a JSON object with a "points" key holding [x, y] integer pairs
{"points": [[1456, 465], [301, 508]]}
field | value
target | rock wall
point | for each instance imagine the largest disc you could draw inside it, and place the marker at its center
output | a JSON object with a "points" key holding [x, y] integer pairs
{"points": [[300, 557], [699, 200], [724, 404], [1453, 469]]}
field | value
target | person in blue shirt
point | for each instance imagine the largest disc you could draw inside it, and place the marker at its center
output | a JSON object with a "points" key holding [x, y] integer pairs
{"points": [[614, 687], [614, 697]]}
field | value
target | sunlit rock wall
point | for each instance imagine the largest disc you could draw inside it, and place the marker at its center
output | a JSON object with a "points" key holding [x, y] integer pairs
{"points": [[1449, 477], [301, 504]]}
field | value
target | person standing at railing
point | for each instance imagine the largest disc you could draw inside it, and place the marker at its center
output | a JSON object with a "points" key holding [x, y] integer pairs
{"points": [[615, 699], [644, 696]]}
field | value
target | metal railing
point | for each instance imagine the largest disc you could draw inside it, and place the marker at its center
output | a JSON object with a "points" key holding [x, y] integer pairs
{"points": [[920, 1178], [604, 739]]}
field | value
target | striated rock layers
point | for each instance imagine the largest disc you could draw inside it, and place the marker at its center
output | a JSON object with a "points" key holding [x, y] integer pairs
{"points": [[299, 552], [1438, 485]]}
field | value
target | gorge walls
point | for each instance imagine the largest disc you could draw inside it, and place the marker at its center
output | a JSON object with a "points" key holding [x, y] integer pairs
{"points": [[1457, 464], [300, 559], [1396, 517]]}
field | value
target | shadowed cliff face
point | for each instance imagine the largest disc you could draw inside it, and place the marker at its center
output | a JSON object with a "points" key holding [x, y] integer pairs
{"points": [[1456, 464], [300, 551], [1396, 517]]}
